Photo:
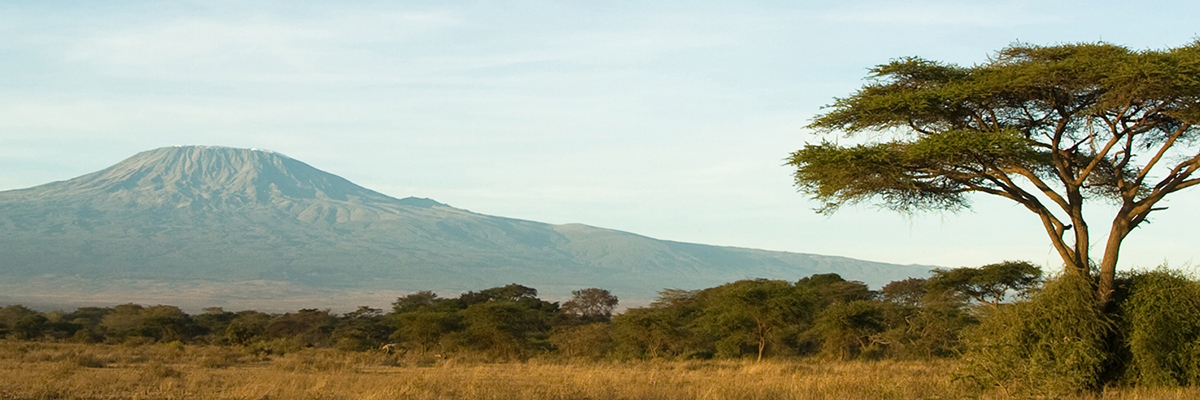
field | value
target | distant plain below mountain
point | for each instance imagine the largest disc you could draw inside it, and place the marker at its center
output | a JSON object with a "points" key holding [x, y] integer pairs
{"points": [[199, 226]]}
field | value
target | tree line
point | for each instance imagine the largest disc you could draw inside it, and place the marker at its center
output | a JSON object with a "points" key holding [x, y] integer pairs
{"points": [[822, 314]]}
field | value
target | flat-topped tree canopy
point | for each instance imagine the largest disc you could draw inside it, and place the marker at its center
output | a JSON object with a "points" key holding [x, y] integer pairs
{"points": [[1049, 127]]}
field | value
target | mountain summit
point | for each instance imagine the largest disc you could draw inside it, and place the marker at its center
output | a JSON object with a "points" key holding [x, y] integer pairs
{"points": [[209, 177], [224, 226]]}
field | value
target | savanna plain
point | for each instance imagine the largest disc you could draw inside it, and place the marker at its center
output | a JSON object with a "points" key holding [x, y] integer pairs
{"points": [[174, 371]]}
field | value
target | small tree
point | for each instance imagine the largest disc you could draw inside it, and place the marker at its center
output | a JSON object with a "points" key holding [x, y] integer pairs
{"points": [[758, 313], [424, 329], [662, 329], [415, 301], [511, 292], [591, 305], [246, 326], [214, 321], [19, 322], [305, 328], [846, 328], [361, 329], [123, 321], [167, 324], [591, 341], [1051, 128], [988, 284], [907, 292], [506, 329], [831, 288]]}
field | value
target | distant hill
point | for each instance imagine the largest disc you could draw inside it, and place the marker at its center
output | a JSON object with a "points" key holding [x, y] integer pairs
{"points": [[196, 226]]}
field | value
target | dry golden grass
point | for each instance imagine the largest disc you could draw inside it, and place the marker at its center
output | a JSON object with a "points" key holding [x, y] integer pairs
{"points": [[68, 371]]}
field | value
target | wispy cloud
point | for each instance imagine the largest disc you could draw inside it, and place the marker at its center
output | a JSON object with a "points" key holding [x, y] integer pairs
{"points": [[249, 47], [393, 48]]}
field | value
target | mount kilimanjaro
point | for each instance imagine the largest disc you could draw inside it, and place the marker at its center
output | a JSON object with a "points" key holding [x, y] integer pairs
{"points": [[213, 226]]}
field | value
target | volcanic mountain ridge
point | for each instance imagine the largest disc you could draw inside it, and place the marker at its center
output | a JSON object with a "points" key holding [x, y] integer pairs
{"points": [[217, 226]]}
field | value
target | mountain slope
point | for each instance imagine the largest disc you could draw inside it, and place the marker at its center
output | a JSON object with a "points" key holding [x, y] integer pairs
{"points": [[209, 217]]}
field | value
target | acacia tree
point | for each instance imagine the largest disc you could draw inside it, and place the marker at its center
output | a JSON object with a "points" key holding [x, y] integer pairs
{"points": [[1049, 127], [988, 284], [591, 304], [753, 312]]}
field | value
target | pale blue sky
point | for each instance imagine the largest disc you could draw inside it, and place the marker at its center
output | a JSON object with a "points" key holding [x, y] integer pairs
{"points": [[667, 119]]}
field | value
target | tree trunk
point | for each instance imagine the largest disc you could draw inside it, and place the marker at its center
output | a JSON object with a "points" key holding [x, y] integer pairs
{"points": [[1108, 264], [1080, 227]]}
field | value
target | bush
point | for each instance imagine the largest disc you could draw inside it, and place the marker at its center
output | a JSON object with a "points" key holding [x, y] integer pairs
{"points": [[591, 341], [926, 332], [1160, 324], [86, 336], [1051, 345], [846, 329]]}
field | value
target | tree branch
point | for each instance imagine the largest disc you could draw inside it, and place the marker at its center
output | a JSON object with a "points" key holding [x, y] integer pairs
{"points": [[1100, 155], [1141, 176]]}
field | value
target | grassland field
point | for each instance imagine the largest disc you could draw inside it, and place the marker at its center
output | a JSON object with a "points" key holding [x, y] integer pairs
{"points": [[173, 371]]}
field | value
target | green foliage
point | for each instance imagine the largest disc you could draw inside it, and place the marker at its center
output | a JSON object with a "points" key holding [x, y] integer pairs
{"points": [[846, 329], [588, 341], [1048, 127], [926, 332], [88, 317], [906, 292], [663, 329], [1160, 322], [506, 329], [422, 320], [308, 327], [756, 318], [215, 322], [167, 324], [424, 329], [86, 324], [822, 313], [922, 324], [155, 323], [19, 322], [829, 289], [246, 326], [124, 320], [753, 316], [512, 292], [415, 301], [361, 330], [989, 283], [1055, 343], [507, 322], [591, 305]]}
